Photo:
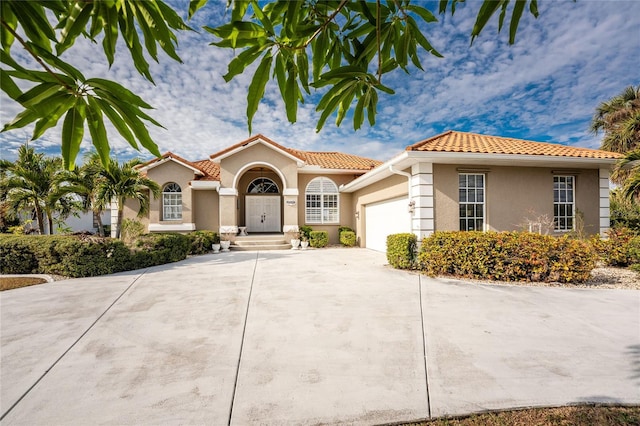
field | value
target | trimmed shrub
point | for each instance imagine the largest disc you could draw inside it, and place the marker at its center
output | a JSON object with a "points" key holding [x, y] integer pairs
{"points": [[401, 250], [86, 256], [507, 256], [89, 258], [342, 229], [201, 241], [319, 239], [71, 256], [305, 232], [348, 238], [16, 255], [158, 249], [621, 248]]}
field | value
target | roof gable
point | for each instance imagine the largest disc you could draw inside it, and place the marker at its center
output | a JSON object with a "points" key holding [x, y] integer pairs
{"points": [[170, 156], [254, 140], [473, 143]]}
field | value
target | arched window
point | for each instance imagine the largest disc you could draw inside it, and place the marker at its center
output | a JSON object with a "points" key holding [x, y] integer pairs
{"points": [[171, 202], [322, 201], [262, 186]]}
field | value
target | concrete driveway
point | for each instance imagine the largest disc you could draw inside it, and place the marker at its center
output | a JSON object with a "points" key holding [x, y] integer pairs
{"points": [[309, 337]]}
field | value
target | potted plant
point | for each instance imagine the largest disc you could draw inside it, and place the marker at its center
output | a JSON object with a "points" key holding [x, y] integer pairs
{"points": [[216, 243], [304, 242], [225, 243], [295, 241]]}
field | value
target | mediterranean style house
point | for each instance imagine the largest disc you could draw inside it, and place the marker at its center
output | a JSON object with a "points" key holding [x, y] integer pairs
{"points": [[452, 181]]}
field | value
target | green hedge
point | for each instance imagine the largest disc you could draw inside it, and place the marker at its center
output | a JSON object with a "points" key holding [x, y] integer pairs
{"points": [[507, 256], [71, 256], [348, 238], [79, 256], [401, 250], [319, 239]]}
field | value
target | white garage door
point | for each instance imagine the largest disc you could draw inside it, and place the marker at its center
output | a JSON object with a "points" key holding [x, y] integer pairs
{"points": [[384, 218]]}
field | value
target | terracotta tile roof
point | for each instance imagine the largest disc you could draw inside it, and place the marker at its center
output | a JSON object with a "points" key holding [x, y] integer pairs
{"points": [[453, 141], [338, 160], [326, 160], [211, 169]]}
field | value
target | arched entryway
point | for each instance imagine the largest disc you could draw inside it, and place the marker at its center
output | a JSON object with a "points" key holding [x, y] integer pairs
{"points": [[260, 200]]}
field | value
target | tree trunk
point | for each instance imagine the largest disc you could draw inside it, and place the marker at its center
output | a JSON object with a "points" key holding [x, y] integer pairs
{"points": [[120, 214], [50, 222], [98, 214], [40, 219]]}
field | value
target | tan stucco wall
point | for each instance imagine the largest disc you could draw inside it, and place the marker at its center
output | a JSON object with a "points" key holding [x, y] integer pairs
{"points": [[347, 214], [131, 208], [392, 187], [267, 157], [206, 209], [513, 194], [230, 166], [172, 172]]}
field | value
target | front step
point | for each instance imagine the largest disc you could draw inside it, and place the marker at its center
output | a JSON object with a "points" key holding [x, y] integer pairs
{"points": [[260, 243]]}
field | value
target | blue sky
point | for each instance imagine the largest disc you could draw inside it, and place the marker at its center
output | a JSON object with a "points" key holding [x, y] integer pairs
{"points": [[544, 88]]}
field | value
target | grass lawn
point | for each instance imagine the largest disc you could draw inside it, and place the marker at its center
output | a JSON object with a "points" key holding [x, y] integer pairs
{"points": [[582, 415], [9, 283]]}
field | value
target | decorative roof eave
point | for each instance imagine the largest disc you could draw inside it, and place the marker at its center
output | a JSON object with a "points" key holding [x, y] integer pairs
{"points": [[408, 158], [258, 139], [163, 160]]}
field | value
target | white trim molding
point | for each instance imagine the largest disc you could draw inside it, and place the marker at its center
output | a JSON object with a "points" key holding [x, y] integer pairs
{"points": [[249, 166], [204, 184], [293, 192], [290, 228], [171, 227], [422, 197], [228, 191]]}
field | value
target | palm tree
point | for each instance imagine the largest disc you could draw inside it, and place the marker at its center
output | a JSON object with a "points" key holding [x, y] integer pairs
{"points": [[122, 182], [31, 185], [631, 188], [619, 120], [83, 182]]}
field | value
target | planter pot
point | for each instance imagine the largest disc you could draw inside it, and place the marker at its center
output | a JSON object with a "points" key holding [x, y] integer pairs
{"points": [[225, 245], [304, 244], [216, 248], [295, 244]]}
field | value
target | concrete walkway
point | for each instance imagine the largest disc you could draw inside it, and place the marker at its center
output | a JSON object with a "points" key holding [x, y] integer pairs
{"points": [[319, 336]]}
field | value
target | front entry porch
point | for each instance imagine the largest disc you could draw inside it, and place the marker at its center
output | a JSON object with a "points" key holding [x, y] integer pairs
{"points": [[261, 242]]}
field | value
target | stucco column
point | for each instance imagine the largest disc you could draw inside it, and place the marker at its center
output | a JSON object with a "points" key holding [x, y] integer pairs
{"points": [[423, 222], [290, 212], [605, 220], [114, 218], [228, 211]]}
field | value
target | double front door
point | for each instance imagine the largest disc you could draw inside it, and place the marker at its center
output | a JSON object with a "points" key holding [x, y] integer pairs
{"points": [[262, 213]]}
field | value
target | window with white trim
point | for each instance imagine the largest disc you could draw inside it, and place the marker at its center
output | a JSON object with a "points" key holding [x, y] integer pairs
{"points": [[172, 202], [563, 203], [471, 200], [322, 201]]}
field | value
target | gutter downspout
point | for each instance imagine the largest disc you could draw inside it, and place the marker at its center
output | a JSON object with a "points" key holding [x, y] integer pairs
{"points": [[411, 204]]}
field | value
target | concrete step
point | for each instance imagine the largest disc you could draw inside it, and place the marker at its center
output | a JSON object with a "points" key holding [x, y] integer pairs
{"points": [[260, 247], [257, 242], [261, 237]]}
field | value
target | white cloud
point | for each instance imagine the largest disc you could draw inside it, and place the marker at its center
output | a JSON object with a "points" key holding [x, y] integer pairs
{"points": [[545, 87]]}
